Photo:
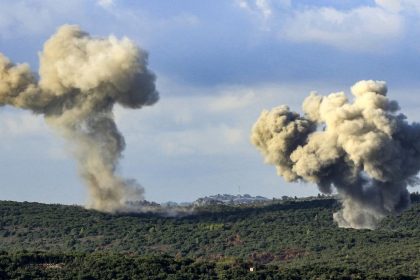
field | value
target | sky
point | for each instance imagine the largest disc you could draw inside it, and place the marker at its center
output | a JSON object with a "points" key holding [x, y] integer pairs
{"points": [[218, 64]]}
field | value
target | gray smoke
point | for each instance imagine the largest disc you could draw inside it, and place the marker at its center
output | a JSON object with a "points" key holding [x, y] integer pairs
{"points": [[363, 148], [81, 78]]}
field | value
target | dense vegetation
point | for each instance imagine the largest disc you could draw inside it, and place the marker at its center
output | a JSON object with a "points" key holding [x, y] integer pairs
{"points": [[294, 239]]}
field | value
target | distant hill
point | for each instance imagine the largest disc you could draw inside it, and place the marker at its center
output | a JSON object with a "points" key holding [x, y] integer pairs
{"points": [[229, 199], [172, 208], [207, 201], [226, 199], [287, 237]]}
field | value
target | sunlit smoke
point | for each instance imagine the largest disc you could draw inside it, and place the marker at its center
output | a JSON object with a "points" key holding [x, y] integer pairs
{"points": [[81, 78], [363, 148]]}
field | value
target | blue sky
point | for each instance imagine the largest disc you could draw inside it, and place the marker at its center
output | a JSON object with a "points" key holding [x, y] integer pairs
{"points": [[218, 63]]}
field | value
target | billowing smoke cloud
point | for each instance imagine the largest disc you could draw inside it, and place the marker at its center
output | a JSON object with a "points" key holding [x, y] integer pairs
{"points": [[363, 148], [81, 78]]}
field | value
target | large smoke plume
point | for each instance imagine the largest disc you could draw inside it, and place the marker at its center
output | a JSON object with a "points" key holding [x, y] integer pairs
{"points": [[80, 80], [363, 148]]}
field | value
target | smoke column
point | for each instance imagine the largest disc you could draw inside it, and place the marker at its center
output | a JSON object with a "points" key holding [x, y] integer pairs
{"points": [[363, 148], [81, 78]]}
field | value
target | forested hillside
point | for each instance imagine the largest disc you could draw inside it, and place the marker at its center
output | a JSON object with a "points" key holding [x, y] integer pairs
{"points": [[295, 239]]}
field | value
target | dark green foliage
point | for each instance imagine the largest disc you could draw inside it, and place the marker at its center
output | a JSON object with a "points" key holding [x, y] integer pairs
{"points": [[282, 240]]}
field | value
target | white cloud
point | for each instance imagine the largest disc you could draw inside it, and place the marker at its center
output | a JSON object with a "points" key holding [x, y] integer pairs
{"points": [[34, 17], [391, 5], [369, 28], [208, 140], [232, 101], [183, 126], [14, 124], [19, 128], [106, 3], [408, 6], [234, 136], [362, 29], [243, 4], [258, 9], [264, 7]]}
